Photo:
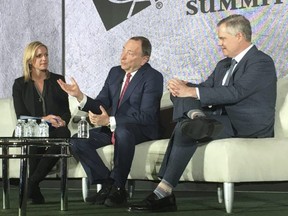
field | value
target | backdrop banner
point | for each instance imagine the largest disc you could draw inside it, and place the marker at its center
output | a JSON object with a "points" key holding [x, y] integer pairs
{"points": [[182, 33]]}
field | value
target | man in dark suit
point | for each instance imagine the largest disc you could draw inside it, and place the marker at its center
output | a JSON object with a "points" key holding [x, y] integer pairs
{"points": [[132, 118], [237, 100]]}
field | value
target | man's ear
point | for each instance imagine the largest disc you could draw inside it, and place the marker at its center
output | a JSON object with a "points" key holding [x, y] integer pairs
{"points": [[240, 36], [145, 59]]}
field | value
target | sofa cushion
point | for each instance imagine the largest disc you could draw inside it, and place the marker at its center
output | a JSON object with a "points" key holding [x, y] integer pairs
{"points": [[8, 117], [225, 160], [281, 119]]}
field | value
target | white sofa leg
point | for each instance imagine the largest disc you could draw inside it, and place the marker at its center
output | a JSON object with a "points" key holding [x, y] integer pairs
{"points": [[99, 187], [228, 196], [219, 194], [85, 188], [131, 187]]}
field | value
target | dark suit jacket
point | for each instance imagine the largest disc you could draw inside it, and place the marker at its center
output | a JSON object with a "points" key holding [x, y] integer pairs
{"points": [[55, 98], [250, 97], [140, 104]]}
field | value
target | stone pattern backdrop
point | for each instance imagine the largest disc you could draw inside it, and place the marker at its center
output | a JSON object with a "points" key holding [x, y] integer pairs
{"points": [[182, 33], [183, 45], [20, 23]]}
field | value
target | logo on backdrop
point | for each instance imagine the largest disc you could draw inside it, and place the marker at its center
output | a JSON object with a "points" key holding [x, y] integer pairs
{"points": [[114, 12], [213, 6]]}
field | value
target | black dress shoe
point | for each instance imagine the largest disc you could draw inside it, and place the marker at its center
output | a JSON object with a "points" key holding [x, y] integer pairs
{"points": [[201, 128], [153, 204], [37, 200], [34, 194], [116, 198], [100, 197]]}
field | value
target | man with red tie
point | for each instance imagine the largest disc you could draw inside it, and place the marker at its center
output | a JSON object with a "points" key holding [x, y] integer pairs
{"points": [[127, 109]]}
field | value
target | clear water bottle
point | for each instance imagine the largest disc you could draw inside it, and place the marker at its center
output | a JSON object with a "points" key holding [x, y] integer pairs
{"points": [[19, 129], [34, 127], [83, 128], [43, 129], [28, 128]]}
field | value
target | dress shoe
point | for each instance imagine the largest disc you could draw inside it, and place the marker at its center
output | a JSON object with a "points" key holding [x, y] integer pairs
{"points": [[34, 194], [153, 204], [100, 197], [37, 200], [201, 128], [116, 198]]}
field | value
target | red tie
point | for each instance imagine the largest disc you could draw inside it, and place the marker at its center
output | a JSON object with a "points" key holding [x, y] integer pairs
{"points": [[128, 76]]}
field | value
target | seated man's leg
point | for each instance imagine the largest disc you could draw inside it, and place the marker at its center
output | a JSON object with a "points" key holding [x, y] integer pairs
{"points": [[183, 105], [194, 122], [181, 151], [126, 137], [178, 154], [84, 150]]}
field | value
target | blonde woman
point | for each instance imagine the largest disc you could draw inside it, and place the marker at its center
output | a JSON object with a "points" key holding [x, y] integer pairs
{"points": [[38, 94]]}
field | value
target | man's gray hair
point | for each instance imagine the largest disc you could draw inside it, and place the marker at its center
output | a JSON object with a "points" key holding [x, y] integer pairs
{"points": [[237, 23]]}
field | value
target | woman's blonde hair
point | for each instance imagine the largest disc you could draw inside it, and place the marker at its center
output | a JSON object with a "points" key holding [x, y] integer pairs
{"points": [[28, 57]]}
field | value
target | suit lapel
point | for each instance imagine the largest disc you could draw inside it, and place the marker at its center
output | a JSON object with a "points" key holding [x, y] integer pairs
{"points": [[237, 73], [222, 72], [133, 83], [117, 89]]}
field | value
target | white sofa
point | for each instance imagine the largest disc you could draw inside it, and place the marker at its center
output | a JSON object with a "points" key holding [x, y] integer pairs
{"points": [[226, 161]]}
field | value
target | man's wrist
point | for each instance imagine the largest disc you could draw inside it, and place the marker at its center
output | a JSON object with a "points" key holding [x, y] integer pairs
{"points": [[194, 92], [108, 124], [80, 97]]}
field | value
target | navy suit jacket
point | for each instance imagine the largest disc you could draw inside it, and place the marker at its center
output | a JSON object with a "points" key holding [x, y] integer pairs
{"points": [[141, 102], [250, 97]]}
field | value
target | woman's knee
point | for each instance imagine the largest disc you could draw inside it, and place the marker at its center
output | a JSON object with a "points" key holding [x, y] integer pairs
{"points": [[61, 132]]}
